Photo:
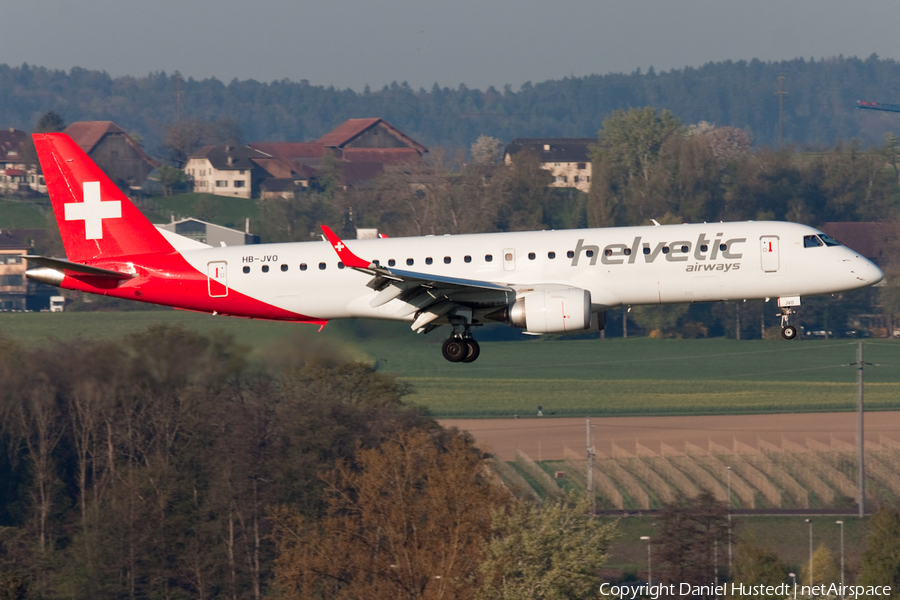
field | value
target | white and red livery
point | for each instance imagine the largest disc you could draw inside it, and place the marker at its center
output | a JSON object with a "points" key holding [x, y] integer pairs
{"points": [[542, 281]]}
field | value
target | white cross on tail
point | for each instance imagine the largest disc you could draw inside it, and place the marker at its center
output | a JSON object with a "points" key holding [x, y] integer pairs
{"points": [[93, 210]]}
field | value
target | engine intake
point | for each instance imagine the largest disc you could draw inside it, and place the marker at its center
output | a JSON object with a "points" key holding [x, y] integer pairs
{"points": [[552, 309]]}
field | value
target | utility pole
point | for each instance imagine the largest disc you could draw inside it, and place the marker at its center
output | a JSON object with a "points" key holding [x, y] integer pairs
{"points": [[781, 94], [590, 468], [730, 563], [860, 437]]}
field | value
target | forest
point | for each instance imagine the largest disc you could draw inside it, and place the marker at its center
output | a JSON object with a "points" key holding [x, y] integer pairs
{"points": [[819, 108]]}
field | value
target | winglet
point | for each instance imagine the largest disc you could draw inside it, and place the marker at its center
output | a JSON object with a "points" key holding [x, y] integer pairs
{"points": [[348, 258]]}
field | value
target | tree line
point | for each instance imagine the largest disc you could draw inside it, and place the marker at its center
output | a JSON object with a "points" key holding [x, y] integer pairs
{"points": [[169, 464], [819, 109]]}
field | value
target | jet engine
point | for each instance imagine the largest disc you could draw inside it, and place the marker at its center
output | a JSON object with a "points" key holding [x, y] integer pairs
{"points": [[550, 309]]}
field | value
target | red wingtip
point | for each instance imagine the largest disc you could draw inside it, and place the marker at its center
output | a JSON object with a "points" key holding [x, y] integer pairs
{"points": [[348, 258]]}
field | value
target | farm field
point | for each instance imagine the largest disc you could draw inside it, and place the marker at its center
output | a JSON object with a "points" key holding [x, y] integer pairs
{"points": [[567, 377], [774, 462]]}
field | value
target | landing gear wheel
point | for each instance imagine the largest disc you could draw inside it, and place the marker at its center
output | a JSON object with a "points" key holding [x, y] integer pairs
{"points": [[788, 332], [455, 349], [474, 350]]}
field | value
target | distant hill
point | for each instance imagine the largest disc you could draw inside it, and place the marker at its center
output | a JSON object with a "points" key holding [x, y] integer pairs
{"points": [[818, 110]]}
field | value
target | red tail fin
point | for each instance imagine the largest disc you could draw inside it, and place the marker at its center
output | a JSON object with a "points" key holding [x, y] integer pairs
{"points": [[95, 218]]}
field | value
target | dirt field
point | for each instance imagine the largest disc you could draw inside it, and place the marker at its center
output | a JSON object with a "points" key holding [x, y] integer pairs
{"points": [[547, 439]]}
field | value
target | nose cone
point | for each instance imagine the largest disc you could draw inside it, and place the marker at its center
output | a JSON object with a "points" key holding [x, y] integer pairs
{"points": [[868, 272]]}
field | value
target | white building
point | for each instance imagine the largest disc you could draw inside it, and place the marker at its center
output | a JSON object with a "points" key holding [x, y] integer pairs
{"points": [[567, 159], [227, 170]]}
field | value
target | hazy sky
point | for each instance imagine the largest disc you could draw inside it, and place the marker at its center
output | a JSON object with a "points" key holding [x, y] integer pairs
{"points": [[351, 43]]}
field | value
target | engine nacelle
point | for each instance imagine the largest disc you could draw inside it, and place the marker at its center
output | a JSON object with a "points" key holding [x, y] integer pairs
{"points": [[552, 309]]}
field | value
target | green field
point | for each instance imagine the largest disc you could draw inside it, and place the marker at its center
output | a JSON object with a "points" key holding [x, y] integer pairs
{"points": [[21, 215], [569, 377]]}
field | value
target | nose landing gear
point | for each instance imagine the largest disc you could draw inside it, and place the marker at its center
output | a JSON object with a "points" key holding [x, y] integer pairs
{"points": [[788, 331]]}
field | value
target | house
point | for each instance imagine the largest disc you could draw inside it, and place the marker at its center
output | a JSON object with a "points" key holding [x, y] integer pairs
{"points": [[358, 150], [229, 170], [210, 233], [17, 292], [371, 140], [291, 166], [567, 159], [18, 173], [114, 151]]}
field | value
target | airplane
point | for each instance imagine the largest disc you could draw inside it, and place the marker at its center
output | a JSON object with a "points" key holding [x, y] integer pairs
{"points": [[541, 281]]}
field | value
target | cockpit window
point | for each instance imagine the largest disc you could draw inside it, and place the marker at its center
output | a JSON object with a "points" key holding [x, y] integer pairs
{"points": [[811, 241], [829, 241]]}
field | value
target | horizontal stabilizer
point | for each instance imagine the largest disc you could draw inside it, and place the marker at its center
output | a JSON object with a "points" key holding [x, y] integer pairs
{"points": [[72, 268]]}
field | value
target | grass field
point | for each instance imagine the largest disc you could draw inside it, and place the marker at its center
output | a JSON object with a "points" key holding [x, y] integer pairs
{"points": [[21, 215], [230, 212], [568, 377]]}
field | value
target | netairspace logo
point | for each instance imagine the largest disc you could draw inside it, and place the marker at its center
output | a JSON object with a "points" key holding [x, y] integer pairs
{"points": [[632, 592]]}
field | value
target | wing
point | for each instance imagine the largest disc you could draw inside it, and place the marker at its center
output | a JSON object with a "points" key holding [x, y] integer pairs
{"points": [[430, 296]]}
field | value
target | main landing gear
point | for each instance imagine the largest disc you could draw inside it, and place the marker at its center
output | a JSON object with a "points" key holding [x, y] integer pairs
{"points": [[788, 332], [461, 348]]}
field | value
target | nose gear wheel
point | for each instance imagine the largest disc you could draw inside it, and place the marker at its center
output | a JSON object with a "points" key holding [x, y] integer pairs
{"points": [[788, 332]]}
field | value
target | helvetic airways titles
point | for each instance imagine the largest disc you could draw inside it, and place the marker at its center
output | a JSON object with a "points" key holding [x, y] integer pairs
{"points": [[677, 251]]}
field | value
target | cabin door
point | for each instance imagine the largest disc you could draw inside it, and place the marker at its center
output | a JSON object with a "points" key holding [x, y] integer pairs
{"points": [[769, 253], [218, 280]]}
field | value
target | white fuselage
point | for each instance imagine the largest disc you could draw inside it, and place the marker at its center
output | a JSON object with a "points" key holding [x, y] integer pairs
{"points": [[618, 266]]}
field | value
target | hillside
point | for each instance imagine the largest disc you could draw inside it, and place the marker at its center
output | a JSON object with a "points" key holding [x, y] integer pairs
{"points": [[819, 107]]}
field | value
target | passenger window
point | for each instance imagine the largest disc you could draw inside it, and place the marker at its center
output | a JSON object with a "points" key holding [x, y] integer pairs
{"points": [[391, 262], [704, 248], [429, 260], [531, 256], [446, 260], [410, 262], [246, 269], [665, 249], [340, 265], [723, 247], [302, 266], [508, 257], [322, 266], [265, 268], [811, 241], [646, 250], [684, 249], [551, 255], [488, 258], [467, 258], [284, 267], [590, 253], [607, 252], [627, 251], [570, 254]]}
